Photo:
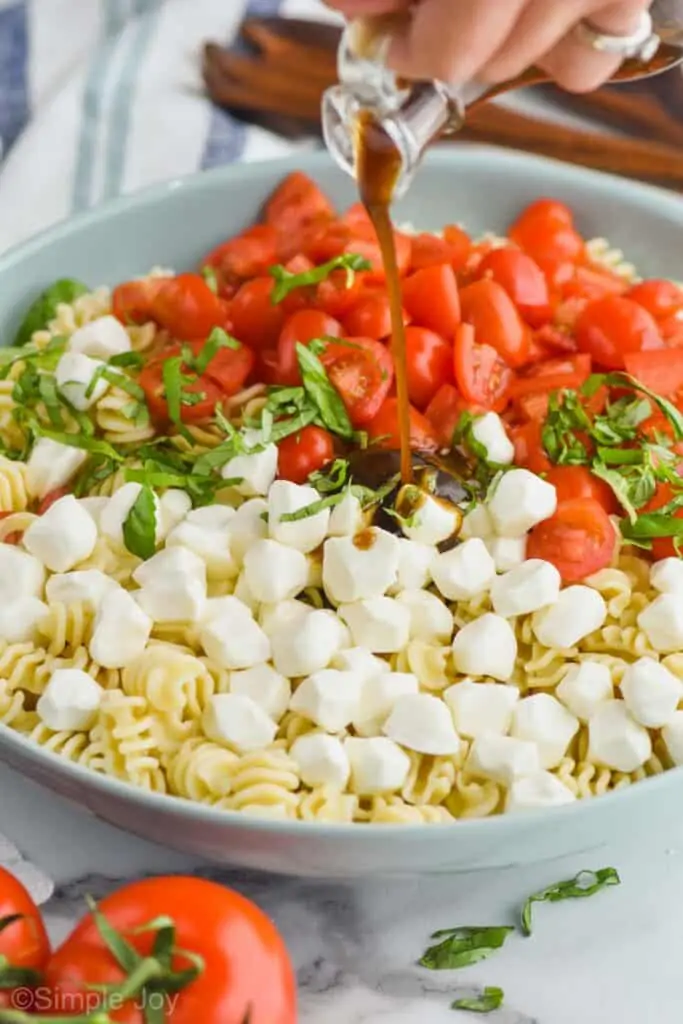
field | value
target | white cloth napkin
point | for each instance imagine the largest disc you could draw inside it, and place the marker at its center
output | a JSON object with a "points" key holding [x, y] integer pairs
{"points": [[102, 97]]}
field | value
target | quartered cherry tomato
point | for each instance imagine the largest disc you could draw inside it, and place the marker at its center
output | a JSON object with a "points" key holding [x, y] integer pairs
{"points": [[301, 327], [610, 328], [370, 317], [430, 250], [529, 451], [497, 323], [362, 371], [545, 230], [663, 547], [444, 412], [133, 301], [429, 360], [578, 540], [255, 318], [572, 482], [483, 378], [431, 299], [662, 299], [294, 209]]}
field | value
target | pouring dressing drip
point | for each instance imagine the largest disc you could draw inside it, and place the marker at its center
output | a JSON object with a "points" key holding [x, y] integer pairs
{"points": [[377, 127]]}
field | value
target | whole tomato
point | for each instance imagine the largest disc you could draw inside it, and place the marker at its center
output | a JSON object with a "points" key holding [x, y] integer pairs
{"points": [[24, 945], [207, 954]]}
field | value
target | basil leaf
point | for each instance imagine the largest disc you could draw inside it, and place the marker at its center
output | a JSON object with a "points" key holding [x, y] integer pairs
{"points": [[134, 359], [211, 278], [173, 386], [619, 486], [44, 308], [88, 444], [319, 389], [217, 340], [139, 528], [586, 883], [490, 999], [651, 525], [312, 510], [669, 410], [286, 281], [462, 947]]}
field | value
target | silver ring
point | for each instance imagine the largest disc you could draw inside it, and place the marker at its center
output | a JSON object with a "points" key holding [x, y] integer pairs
{"points": [[642, 44]]}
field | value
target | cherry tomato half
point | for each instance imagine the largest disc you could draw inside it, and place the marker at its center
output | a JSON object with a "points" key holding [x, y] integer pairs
{"points": [[481, 375], [430, 250], [304, 453], [362, 371], [610, 328], [186, 306], [578, 540], [523, 280], [545, 230], [431, 299], [529, 451], [371, 317], [247, 255], [133, 301], [429, 360], [255, 319], [296, 205], [572, 482], [384, 429], [445, 411], [661, 299], [488, 307], [301, 327]]}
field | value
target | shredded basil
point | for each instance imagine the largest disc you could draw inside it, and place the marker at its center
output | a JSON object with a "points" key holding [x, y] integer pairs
{"points": [[44, 308], [217, 340], [286, 281], [463, 947], [487, 1001], [586, 883], [139, 528], [211, 278], [323, 395]]}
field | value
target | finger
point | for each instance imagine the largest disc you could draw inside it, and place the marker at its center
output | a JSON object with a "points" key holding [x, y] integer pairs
{"points": [[367, 8], [541, 26], [578, 68], [452, 40]]}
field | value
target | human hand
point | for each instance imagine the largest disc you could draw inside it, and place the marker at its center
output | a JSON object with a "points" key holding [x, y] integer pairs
{"points": [[496, 40]]}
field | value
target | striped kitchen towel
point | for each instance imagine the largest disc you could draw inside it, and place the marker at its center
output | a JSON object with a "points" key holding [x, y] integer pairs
{"points": [[103, 97]]}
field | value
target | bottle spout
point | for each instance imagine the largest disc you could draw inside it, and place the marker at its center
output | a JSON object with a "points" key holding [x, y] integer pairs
{"points": [[411, 114]]}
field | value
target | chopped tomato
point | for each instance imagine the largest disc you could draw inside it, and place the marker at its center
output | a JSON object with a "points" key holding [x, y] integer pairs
{"points": [[302, 327], [384, 429], [186, 306], [611, 327], [663, 547], [50, 498], [545, 230], [662, 299], [133, 301], [295, 205], [304, 453], [550, 340], [553, 375], [481, 375], [578, 540], [522, 279], [590, 283], [224, 375], [529, 451], [660, 371], [488, 307], [445, 411], [362, 371], [336, 296], [255, 319], [429, 360], [247, 255], [366, 245], [431, 299], [371, 317], [531, 406], [430, 250], [572, 482], [209, 394]]}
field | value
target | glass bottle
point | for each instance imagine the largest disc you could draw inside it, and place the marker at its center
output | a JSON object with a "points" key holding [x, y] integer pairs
{"points": [[413, 114]]}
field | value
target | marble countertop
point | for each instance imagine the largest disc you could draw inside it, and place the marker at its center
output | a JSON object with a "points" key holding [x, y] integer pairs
{"points": [[612, 959]]}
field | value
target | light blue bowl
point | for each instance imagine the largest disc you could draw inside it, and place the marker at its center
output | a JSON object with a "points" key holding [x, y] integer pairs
{"points": [[174, 225]]}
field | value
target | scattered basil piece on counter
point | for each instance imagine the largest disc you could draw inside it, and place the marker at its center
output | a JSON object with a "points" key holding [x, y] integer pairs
{"points": [[487, 1001], [586, 883], [321, 392], [139, 528], [286, 281], [462, 947]]}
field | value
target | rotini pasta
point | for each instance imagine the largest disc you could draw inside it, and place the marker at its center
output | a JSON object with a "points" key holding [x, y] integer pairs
{"points": [[485, 671]]}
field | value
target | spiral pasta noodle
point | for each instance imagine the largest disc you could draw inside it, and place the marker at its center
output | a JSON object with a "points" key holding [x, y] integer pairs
{"points": [[14, 495], [327, 804], [265, 783], [393, 810], [115, 416], [128, 736], [66, 627], [202, 771]]}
